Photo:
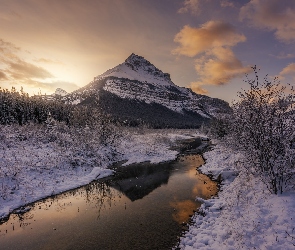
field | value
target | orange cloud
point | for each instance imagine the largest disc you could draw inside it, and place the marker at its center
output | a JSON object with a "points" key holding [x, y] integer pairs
{"points": [[219, 66], [24, 70], [196, 87], [3, 76], [288, 70], [46, 60], [7, 46], [51, 85], [190, 6], [7, 51], [212, 34], [217, 63], [275, 15], [16, 71]]}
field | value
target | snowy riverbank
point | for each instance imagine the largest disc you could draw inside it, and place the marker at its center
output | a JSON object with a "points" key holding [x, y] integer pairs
{"points": [[34, 165], [245, 215]]}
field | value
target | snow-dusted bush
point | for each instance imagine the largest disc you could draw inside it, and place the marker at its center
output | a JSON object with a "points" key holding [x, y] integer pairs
{"points": [[220, 126], [262, 126]]}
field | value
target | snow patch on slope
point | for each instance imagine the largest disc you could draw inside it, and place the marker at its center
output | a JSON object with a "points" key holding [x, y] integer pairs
{"points": [[158, 94]]}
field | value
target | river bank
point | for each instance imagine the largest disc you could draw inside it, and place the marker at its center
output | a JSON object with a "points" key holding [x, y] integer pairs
{"points": [[244, 215], [142, 206], [33, 167]]}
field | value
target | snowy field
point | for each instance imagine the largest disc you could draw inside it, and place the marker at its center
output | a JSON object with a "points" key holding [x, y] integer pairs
{"points": [[245, 215], [35, 163]]}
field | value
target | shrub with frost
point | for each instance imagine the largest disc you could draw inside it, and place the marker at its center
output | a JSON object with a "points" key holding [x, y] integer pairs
{"points": [[262, 126]]}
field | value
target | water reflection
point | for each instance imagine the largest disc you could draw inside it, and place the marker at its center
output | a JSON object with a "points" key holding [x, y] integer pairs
{"points": [[142, 207], [137, 181], [183, 210]]}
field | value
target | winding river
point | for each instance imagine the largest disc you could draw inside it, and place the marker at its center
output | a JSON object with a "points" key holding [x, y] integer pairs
{"points": [[143, 206]]}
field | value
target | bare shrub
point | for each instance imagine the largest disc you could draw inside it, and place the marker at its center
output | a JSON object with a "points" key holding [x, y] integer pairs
{"points": [[262, 126]]}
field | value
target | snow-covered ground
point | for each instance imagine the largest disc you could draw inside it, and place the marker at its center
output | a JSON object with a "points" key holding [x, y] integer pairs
{"points": [[245, 215], [35, 163]]}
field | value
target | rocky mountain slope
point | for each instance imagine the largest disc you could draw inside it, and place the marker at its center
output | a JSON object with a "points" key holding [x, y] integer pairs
{"points": [[137, 92]]}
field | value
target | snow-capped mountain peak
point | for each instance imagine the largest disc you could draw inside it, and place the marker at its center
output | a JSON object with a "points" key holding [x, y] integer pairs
{"points": [[138, 68], [136, 91], [137, 60], [139, 63]]}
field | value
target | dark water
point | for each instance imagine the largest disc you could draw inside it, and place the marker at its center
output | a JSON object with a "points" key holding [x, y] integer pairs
{"points": [[143, 207]]}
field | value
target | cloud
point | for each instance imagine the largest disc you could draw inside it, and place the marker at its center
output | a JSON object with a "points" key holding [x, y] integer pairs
{"points": [[190, 6], [14, 68], [284, 55], [7, 46], [216, 63], [227, 3], [9, 15], [46, 60], [8, 51], [288, 70], [16, 71], [52, 85], [194, 6], [3, 76], [219, 66], [212, 34], [68, 86], [25, 70], [274, 15], [196, 87], [287, 73]]}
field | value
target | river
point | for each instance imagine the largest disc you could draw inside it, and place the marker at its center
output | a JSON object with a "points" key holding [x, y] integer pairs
{"points": [[143, 206]]}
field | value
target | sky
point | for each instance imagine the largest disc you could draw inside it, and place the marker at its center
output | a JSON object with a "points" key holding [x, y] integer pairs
{"points": [[206, 45]]}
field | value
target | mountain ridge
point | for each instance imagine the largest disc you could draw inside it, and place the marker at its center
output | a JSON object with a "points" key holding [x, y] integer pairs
{"points": [[139, 82]]}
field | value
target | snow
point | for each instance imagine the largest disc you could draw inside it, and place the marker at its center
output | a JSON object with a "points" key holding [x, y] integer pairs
{"points": [[148, 74], [159, 94], [34, 166], [117, 87], [140, 70], [245, 215], [155, 87], [153, 148], [75, 102], [123, 71]]}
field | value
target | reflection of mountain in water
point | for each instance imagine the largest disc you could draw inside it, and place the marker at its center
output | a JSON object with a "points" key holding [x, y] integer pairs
{"points": [[137, 181]]}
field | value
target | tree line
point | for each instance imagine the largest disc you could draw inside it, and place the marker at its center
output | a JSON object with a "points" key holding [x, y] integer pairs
{"points": [[17, 107]]}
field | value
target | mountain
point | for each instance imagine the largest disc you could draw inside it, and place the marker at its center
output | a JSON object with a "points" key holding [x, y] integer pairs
{"points": [[136, 92]]}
